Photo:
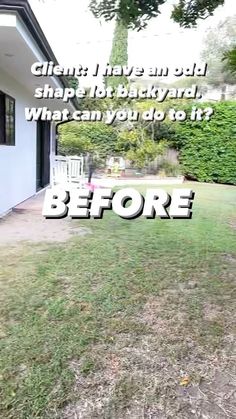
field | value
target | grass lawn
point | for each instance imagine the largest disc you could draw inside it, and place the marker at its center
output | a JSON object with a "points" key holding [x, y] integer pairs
{"points": [[135, 320]]}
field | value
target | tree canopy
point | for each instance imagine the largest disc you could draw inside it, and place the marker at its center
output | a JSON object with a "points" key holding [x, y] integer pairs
{"points": [[217, 42], [187, 12], [136, 13], [230, 59]]}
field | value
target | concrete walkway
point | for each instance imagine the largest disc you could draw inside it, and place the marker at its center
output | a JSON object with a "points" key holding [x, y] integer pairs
{"points": [[26, 224]]}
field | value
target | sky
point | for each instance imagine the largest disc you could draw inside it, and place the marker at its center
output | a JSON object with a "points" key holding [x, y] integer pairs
{"points": [[76, 37]]}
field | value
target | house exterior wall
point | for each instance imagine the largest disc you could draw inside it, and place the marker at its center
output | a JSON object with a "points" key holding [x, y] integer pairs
{"points": [[18, 163], [22, 43]]}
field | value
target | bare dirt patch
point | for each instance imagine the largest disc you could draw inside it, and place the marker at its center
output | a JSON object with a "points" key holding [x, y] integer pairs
{"points": [[168, 371], [232, 223], [229, 257], [26, 226], [211, 312], [139, 382]]}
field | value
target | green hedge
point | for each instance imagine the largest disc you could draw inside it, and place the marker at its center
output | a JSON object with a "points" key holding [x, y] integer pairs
{"points": [[208, 148]]}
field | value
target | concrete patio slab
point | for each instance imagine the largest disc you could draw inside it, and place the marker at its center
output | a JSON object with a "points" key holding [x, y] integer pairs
{"points": [[26, 224]]}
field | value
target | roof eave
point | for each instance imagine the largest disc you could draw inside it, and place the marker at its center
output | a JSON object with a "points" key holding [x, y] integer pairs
{"points": [[24, 10]]}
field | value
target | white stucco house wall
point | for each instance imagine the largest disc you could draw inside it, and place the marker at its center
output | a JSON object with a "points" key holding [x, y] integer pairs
{"points": [[25, 147]]}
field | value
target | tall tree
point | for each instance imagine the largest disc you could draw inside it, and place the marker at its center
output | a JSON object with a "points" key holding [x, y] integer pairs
{"points": [[119, 52], [135, 14], [217, 41]]}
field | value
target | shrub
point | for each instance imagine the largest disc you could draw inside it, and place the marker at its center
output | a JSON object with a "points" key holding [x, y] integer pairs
{"points": [[80, 137], [168, 168], [138, 148]]}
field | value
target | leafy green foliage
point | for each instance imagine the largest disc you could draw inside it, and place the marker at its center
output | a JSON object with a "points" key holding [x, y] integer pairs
{"points": [[187, 12], [145, 153], [119, 52], [81, 137], [208, 148], [73, 82], [133, 13], [169, 168], [136, 13], [138, 147], [230, 58]]}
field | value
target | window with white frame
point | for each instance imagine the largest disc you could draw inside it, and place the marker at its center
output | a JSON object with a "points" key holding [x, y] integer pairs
{"points": [[7, 119]]}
